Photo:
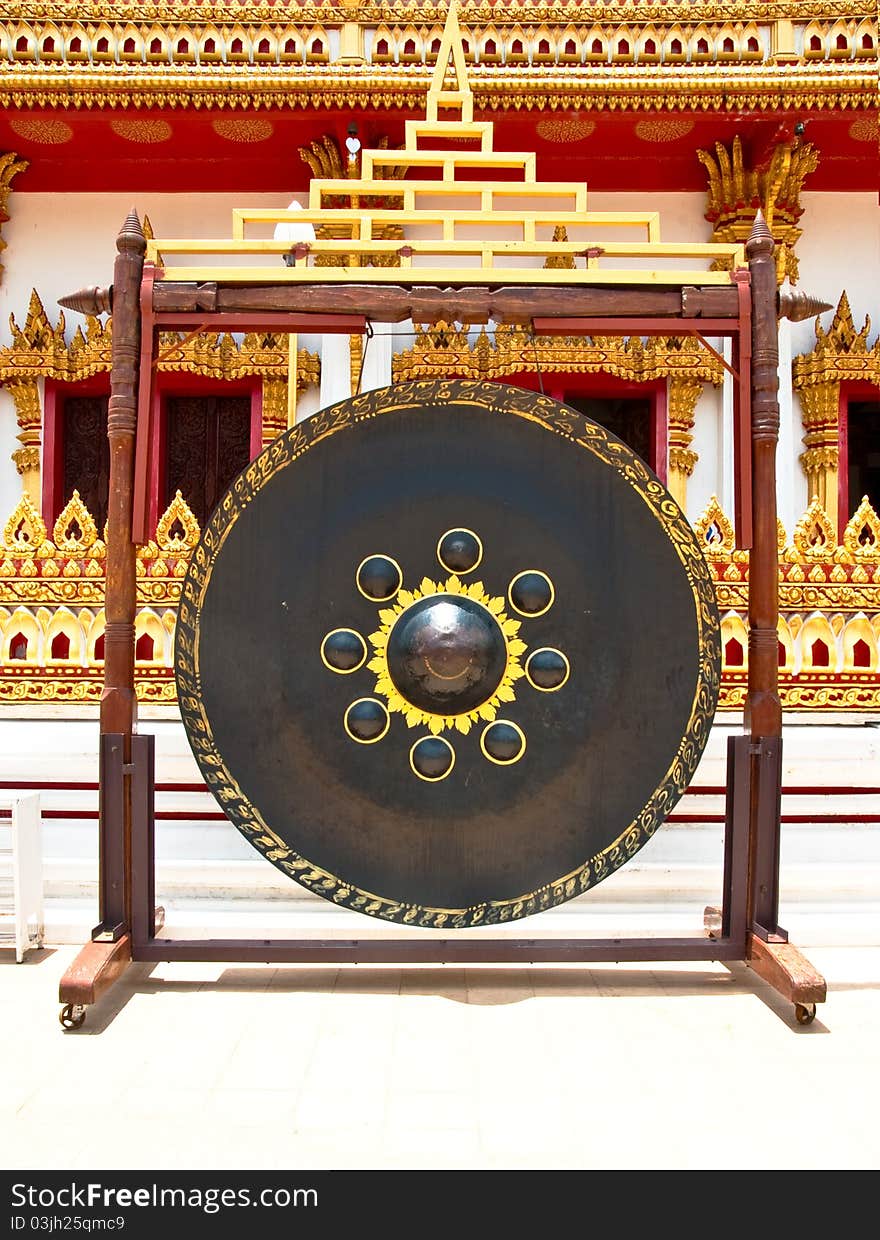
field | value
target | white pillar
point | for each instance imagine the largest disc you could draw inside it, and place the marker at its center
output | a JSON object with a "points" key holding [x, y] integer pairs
{"points": [[376, 372], [335, 369], [787, 452], [727, 440]]}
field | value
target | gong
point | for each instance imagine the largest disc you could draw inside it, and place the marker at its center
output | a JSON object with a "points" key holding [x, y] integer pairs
{"points": [[447, 653]]}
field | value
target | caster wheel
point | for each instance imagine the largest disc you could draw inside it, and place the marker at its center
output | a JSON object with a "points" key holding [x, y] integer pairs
{"points": [[72, 1016], [805, 1013]]}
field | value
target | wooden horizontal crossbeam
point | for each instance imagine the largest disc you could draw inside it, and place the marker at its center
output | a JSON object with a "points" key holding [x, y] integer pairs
{"points": [[394, 304]]}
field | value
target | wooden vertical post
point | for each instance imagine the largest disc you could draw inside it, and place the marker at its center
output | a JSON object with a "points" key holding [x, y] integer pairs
{"points": [[101, 962], [763, 713], [118, 700], [118, 703]]}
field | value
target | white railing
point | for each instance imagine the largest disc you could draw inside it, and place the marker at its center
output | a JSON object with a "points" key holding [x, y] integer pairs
{"points": [[21, 875]]}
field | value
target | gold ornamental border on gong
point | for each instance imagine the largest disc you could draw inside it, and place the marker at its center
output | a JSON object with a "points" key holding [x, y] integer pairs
{"points": [[553, 416]]}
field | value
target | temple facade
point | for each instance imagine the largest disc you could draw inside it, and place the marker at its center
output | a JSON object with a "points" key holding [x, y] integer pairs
{"points": [[696, 114]]}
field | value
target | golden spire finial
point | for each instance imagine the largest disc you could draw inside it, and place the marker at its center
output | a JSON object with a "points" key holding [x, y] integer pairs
{"points": [[460, 95]]}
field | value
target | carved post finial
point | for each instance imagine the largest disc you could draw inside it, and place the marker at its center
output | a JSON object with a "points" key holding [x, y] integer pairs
{"points": [[131, 238], [91, 300], [760, 242], [799, 306]]}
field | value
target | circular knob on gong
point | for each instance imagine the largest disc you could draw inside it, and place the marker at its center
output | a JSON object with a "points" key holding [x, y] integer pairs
{"points": [[446, 654]]}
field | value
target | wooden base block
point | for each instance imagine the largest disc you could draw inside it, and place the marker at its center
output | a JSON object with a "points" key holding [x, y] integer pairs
{"points": [[94, 971], [786, 970]]}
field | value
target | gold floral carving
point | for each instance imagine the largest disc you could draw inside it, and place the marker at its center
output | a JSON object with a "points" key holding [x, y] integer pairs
{"points": [[666, 129], [248, 130], [735, 193], [356, 358], [865, 129], [444, 351], [25, 530], [44, 133], [684, 392], [75, 532], [560, 262], [10, 167], [841, 354], [565, 129], [275, 406], [861, 538], [177, 531], [144, 131]]}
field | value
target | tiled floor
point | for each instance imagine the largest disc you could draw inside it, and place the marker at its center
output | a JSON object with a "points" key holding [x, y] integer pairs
{"points": [[202, 1066]]}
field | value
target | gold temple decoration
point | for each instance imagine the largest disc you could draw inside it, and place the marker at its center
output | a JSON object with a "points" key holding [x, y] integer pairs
{"points": [[841, 354], [683, 394], [829, 601], [829, 628], [736, 193], [51, 595], [10, 167], [325, 161], [439, 245], [39, 350], [660, 57]]}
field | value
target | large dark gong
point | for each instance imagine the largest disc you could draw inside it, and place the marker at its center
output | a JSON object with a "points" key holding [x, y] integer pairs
{"points": [[448, 653]]}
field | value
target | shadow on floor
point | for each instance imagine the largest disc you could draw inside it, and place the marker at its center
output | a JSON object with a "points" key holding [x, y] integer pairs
{"points": [[482, 986]]}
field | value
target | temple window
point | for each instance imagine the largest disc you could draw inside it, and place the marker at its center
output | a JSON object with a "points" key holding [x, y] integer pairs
{"points": [[733, 653], [860, 436], [18, 649], [861, 654], [819, 654], [634, 418], [144, 648], [207, 442], [60, 648], [76, 454]]}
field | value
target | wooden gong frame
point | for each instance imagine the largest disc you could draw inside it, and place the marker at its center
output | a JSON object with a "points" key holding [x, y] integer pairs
{"points": [[746, 311]]}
